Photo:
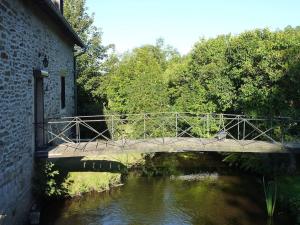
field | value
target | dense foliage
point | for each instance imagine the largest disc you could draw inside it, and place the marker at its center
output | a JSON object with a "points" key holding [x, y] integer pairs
{"points": [[254, 73]]}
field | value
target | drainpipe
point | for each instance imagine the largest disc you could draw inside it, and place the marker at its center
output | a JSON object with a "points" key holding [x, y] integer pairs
{"points": [[75, 78]]}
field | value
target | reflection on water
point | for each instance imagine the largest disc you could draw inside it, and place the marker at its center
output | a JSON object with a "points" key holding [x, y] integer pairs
{"points": [[229, 200]]}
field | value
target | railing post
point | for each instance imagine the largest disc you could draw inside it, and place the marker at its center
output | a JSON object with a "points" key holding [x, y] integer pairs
{"points": [[244, 128], [77, 130], [176, 123], [49, 128], [282, 132], [45, 128], [221, 122], [144, 126], [207, 125], [271, 132], [238, 127], [163, 130], [112, 127]]}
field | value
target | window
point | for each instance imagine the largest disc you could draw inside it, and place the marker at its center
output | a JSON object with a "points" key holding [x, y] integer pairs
{"points": [[63, 92]]}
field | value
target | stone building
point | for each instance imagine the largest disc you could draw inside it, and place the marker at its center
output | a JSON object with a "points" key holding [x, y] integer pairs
{"points": [[36, 82]]}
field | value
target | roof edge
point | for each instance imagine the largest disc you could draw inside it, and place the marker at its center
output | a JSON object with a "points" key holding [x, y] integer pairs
{"points": [[50, 8]]}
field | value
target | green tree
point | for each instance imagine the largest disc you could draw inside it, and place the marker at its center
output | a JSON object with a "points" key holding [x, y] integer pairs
{"points": [[259, 65], [186, 94], [254, 73], [137, 84], [95, 61], [207, 67]]}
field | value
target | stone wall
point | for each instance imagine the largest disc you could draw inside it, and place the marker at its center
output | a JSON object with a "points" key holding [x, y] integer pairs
{"points": [[26, 38]]}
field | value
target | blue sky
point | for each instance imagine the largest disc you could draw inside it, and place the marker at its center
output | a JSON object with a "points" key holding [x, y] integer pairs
{"points": [[132, 23]]}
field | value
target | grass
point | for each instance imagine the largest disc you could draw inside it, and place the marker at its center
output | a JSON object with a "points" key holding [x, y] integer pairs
{"points": [[270, 190], [77, 180], [82, 182]]}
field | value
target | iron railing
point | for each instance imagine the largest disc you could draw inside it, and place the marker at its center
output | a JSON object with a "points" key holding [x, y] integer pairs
{"points": [[117, 129]]}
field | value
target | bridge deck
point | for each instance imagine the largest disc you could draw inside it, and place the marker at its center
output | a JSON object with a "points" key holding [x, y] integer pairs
{"points": [[181, 144]]}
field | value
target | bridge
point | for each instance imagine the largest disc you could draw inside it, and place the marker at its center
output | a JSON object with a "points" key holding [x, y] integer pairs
{"points": [[169, 132]]}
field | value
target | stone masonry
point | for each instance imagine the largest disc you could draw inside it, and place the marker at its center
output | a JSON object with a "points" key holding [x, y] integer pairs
{"points": [[27, 37]]}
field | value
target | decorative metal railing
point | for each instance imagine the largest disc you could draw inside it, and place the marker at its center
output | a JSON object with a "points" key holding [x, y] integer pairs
{"points": [[118, 129]]}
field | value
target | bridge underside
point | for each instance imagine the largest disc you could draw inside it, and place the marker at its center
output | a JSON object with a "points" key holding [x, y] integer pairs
{"points": [[155, 145]]}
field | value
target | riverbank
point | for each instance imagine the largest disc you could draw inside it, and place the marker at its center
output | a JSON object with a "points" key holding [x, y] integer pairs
{"points": [[79, 183], [83, 182]]}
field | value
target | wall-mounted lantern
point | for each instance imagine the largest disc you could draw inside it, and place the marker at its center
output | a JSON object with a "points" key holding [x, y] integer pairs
{"points": [[40, 73]]}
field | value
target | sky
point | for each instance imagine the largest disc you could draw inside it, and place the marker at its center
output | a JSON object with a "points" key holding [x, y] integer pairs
{"points": [[181, 23]]}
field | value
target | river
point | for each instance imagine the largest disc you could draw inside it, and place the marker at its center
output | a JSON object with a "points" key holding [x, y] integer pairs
{"points": [[221, 199]]}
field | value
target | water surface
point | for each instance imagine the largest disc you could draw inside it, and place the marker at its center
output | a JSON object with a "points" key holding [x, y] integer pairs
{"points": [[228, 200]]}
